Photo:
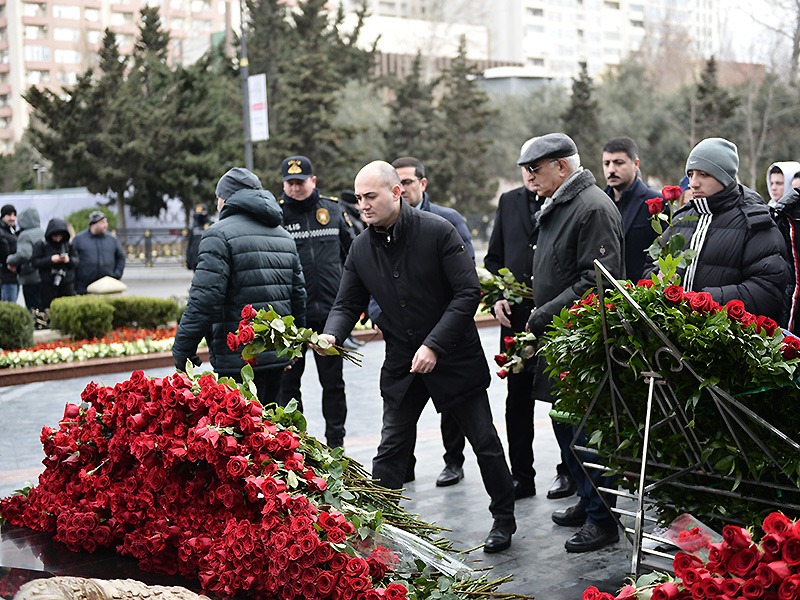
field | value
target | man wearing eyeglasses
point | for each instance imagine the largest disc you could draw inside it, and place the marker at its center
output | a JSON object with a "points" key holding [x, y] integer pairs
{"points": [[414, 186], [577, 224]]}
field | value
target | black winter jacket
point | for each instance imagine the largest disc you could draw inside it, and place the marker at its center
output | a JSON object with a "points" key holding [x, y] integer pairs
{"points": [[323, 236], [426, 285], [244, 258], [8, 246], [741, 253], [101, 256], [578, 225], [636, 226], [44, 250]]}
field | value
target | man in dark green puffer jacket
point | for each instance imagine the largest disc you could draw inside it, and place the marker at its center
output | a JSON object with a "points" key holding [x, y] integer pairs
{"points": [[246, 257]]}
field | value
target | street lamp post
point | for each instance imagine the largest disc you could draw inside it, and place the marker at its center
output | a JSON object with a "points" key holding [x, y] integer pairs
{"points": [[244, 70]]}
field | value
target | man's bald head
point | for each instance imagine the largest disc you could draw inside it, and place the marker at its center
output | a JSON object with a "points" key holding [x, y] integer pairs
{"points": [[378, 189]]}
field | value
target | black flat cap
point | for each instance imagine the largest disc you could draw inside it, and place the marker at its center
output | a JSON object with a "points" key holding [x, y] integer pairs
{"points": [[552, 145]]}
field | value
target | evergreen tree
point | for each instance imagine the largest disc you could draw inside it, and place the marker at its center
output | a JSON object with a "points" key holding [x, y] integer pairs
{"points": [[412, 116], [459, 172], [581, 122], [308, 62], [713, 106]]}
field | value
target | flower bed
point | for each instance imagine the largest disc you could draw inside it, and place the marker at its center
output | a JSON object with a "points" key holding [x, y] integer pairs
{"points": [[191, 476], [125, 341]]}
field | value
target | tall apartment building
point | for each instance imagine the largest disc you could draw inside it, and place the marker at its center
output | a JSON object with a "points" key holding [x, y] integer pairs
{"points": [[550, 39], [50, 42]]}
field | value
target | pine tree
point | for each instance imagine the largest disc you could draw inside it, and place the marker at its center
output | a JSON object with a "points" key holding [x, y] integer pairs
{"points": [[308, 62], [581, 121], [713, 106], [459, 174], [412, 116]]}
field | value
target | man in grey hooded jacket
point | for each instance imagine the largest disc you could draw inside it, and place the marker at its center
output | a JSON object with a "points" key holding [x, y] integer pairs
{"points": [[30, 232]]}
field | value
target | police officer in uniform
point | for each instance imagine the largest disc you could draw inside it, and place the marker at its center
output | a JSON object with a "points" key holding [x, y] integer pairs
{"points": [[323, 233]]}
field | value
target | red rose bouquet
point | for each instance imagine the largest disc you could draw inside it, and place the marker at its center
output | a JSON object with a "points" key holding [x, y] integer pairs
{"points": [[520, 348], [737, 568], [192, 476], [265, 330], [668, 249]]}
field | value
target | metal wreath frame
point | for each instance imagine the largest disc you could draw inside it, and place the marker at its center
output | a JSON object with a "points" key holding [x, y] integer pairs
{"points": [[664, 409]]}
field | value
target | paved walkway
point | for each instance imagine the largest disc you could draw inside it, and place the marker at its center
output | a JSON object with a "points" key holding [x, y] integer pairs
{"points": [[537, 559]]}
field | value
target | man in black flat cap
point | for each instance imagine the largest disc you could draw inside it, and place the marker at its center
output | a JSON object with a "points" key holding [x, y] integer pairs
{"points": [[323, 234], [577, 224], [100, 254], [246, 257]]}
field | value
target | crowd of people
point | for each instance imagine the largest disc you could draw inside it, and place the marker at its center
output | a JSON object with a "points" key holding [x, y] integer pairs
{"points": [[47, 264]]}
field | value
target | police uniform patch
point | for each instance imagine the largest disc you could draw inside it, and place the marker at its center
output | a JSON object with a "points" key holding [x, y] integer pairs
{"points": [[294, 167], [347, 219], [323, 216]]}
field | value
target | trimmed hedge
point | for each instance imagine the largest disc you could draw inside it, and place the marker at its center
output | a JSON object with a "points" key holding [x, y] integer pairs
{"points": [[82, 317], [139, 311], [16, 326], [87, 317]]}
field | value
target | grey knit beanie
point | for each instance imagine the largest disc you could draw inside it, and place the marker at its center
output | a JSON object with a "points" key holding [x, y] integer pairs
{"points": [[237, 179], [716, 156]]}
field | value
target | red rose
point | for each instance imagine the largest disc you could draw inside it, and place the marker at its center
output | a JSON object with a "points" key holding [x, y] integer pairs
{"points": [[233, 342], [500, 359], [767, 324], [591, 593], [508, 341], [731, 585], [326, 581], [648, 283], [502, 373], [683, 562], [790, 349], [753, 588], [702, 302], [790, 588], [249, 313], [791, 551], [671, 192], [735, 310], [777, 522], [246, 334], [655, 205], [771, 545], [237, 466], [336, 535], [665, 591], [395, 591], [736, 537], [773, 573], [626, 593], [673, 293], [71, 411], [743, 562]]}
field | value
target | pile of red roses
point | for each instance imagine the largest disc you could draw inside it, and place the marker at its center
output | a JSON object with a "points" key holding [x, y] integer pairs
{"points": [[737, 567], [189, 478]]}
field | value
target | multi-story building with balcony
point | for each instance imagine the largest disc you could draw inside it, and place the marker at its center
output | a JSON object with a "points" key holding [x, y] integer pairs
{"points": [[50, 42]]}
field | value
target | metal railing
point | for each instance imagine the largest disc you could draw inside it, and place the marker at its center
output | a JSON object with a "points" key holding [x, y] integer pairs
{"points": [[154, 246]]}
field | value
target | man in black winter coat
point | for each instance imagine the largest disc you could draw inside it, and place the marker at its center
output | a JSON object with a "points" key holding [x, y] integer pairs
{"points": [[629, 193], [9, 285], [741, 254], [323, 234], [417, 268], [246, 257], [101, 254]]}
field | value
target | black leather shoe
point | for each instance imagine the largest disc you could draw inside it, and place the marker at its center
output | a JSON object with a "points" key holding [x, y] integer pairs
{"points": [[574, 516], [499, 537], [523, 491], [591, 537], [563, 487], [450, 475]]}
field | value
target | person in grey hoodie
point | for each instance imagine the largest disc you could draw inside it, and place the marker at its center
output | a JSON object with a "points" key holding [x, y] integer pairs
{"points": [[30, 233]]}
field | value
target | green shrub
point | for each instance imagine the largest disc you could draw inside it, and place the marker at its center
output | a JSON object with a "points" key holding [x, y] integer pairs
{"points": [[137, 311], [80, 218], [82, 317], [16, 326]]}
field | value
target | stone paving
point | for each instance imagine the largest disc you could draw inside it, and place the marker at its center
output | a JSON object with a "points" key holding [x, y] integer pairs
{"points": [[537, 560]]}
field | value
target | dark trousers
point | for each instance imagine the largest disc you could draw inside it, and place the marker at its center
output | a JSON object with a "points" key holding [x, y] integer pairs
{"points": [[50, 292], [596, 511], [473, 416], [33, 296], [334, 404], [268, 382]]}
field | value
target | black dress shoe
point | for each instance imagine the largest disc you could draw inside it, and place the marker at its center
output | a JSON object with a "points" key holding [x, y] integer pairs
{"points": [[574, 516], [523, 491], [563, 487], [591, 537], [499, 537], [450, 475]]}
